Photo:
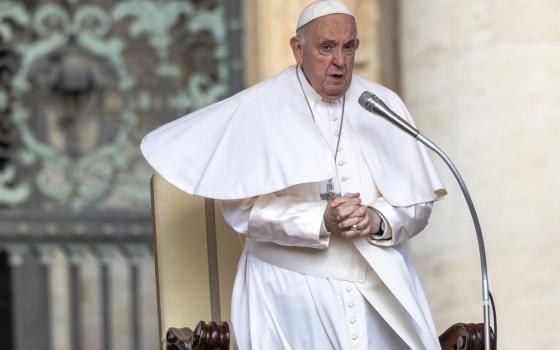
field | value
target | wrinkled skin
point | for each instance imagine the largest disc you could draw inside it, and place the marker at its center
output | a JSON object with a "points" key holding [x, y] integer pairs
{"points": [[327, 54]]}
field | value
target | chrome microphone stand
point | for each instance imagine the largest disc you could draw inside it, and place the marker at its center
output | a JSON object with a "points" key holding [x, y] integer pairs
{"points": [[485, 287], [374, 104]]}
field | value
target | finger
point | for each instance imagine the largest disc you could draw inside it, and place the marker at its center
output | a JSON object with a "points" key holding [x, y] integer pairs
{"points": [[350, 202], [360, 211], [363, 228], [345, 198], [362, 223], [348, 223], [351, 233], [343, 212]]}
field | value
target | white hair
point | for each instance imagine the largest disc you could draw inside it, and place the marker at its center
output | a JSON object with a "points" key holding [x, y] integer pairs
{"points": [[300, 35]]}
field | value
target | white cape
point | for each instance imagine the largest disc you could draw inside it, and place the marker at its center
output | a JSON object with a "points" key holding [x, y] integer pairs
{"points": [[263, 139]]}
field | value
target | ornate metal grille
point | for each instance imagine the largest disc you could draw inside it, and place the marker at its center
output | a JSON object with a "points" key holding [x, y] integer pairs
{"points": [[86, 81], [80, 83]]}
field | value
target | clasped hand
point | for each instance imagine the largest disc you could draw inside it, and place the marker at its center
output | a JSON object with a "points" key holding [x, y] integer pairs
{"points": [[343, 212]]}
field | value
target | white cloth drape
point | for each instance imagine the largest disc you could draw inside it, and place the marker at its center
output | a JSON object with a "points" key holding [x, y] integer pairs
{"points": [[277, 309], [263, 140], [274, 307]]}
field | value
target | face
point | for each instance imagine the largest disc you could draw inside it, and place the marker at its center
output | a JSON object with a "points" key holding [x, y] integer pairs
{"points": [[327, 54]]}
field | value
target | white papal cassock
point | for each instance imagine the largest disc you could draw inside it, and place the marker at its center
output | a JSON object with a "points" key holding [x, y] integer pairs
{"points": [[297, 286], [287, 300]]}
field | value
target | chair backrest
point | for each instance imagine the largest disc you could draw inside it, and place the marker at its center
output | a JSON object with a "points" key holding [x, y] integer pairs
{"points": [[195, 252]]}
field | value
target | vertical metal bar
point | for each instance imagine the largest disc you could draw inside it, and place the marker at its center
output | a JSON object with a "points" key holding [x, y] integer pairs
{"points": [[6, 313], [135, 305], [16, 308], [16, 258], [75, 312], [31, 299], [106, 336], [45, 323]]}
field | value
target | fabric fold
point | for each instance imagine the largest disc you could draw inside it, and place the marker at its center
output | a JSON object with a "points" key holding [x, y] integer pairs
{"points": [[262, 140]]}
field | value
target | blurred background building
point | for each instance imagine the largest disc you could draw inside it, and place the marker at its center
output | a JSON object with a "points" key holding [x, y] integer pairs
{"points": [[82, 81]]}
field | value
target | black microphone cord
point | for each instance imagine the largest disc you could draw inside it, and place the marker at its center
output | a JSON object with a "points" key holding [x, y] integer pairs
{"points": [[495, 345]]}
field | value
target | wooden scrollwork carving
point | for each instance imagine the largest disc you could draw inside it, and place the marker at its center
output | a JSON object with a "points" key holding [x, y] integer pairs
{"points": [[216, 336], [211, 336], [464, 336]]}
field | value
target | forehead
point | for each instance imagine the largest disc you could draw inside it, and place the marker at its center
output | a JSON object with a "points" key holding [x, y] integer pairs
{"points": [[336, 26]]}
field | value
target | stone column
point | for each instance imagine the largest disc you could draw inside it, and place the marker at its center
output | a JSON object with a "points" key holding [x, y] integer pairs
{"points": [[481, 79]]}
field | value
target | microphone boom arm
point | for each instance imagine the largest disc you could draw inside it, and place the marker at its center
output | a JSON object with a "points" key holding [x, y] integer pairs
{"points": [[375, 105], [482, 251]]}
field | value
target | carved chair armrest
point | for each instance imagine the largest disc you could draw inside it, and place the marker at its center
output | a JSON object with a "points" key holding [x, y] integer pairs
{"points": [[464, 336], [216, 336], [211, 336]]}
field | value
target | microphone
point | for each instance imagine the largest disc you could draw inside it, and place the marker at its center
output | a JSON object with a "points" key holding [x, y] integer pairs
{"points": [[375, 105]]}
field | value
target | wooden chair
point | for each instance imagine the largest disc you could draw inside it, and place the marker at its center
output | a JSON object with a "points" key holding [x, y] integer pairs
{"points": [[465, 336], [196, 259]]}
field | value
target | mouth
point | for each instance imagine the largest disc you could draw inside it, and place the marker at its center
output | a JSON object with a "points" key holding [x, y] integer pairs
{"points": [[336, 78], [336, 75]]}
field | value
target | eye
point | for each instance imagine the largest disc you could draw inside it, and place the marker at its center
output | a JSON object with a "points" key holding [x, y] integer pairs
{"points": [[326, 47], [349, 47]]}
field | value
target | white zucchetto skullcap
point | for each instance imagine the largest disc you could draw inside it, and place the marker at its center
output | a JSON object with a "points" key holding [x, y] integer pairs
{"points": [[320, 8]]}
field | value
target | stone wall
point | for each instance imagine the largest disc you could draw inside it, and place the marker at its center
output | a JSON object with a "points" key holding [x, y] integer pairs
{"points": [[481, 79]]}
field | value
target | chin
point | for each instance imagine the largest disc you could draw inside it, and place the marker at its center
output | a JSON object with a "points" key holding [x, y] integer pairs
{"points": [[332, 97], [336, 93]]}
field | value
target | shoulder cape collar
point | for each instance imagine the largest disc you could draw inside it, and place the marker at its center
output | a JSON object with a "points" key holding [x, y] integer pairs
{"points": [[262, 140]]}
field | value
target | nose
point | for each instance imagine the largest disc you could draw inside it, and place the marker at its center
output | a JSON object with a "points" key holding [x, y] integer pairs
{"points": [[338, 58]]}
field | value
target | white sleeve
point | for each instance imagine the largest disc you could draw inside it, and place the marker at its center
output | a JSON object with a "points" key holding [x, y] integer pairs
{"points": [[284, 220], [401, 223]]}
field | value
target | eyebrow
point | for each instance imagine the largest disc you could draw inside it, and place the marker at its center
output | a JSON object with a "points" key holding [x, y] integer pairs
{"points": [[331, 41]]}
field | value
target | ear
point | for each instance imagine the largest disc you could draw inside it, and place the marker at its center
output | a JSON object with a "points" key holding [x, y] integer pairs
{"points": [[297, 49]]}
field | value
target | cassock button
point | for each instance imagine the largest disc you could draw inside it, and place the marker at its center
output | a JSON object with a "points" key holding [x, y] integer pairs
{"points": [[354, 337], [348, 289], [341, 163], [351, 304], [344, 178], [352, 321], [334, 119], [340, 149]]}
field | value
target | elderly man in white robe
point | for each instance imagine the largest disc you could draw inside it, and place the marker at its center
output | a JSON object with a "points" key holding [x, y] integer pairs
{"points": [[325, 193]]}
